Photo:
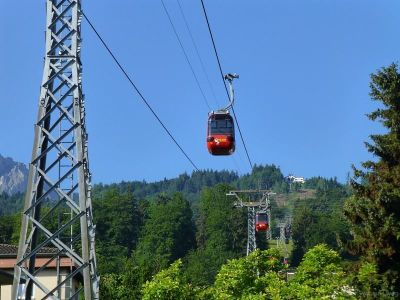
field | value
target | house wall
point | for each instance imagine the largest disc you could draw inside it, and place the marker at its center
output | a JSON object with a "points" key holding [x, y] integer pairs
{"points": [[48, 278]]}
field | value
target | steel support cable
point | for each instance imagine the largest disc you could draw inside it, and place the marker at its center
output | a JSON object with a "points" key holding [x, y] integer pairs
{"points": [[197, 53], [223, 79], [186, 56], [137, 90]]}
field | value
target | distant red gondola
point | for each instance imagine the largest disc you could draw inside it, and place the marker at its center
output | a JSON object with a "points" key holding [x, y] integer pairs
{"points": [[220, 133], [261, 221]]}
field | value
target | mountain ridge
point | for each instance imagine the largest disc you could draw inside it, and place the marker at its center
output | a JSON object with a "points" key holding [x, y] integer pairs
{"points": [[13, 176]]}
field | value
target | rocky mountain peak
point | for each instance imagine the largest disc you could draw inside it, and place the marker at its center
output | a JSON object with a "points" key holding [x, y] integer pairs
{"points": [[13, 176]]}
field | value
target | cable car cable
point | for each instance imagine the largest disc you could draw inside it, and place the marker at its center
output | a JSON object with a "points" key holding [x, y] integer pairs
{"points": [[186, 56], [223, 79], [198, 56], [197, 52], [137, 90], [241, 137], [184, 52]]}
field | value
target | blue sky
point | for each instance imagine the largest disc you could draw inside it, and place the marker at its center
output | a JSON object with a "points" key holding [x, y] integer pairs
{"points": [[301, 98]]}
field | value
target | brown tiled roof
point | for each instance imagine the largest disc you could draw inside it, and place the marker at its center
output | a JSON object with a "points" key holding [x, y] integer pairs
{"points": [[10, 250], [8, 258]]}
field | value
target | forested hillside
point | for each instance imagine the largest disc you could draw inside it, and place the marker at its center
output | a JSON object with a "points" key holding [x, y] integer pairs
{"points": [[191, 185], [165, 230], [10, 204], [199, 224], [141, 228]]}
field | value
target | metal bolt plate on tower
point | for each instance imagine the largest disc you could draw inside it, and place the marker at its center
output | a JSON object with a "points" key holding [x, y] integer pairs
{"points": [[59, 183]]}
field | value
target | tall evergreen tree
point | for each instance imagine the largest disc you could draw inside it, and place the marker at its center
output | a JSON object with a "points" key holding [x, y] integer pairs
{"points": [[221, 235], [9, 229], [118, 220], [168, 234], [374, 210]]}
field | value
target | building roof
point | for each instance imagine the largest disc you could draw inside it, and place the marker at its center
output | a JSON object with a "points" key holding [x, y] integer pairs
{"points": [[8, 249], [12, 250], [45, 256]]}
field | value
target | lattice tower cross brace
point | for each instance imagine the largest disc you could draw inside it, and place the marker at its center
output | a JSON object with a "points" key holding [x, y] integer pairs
{"points": [[57, 156]]}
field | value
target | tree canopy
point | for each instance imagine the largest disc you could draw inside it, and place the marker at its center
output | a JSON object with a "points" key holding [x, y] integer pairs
{"points": [[374, 210], [261, 275]]}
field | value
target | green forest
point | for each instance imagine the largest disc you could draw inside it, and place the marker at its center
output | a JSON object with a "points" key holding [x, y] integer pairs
{"points": [[183, 238]]}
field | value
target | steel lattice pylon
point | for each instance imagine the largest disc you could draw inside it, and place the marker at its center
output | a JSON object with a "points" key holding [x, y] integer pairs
{"points": [[268, 234], [254, 200], [57, 216], [251, 230], [283, 237]]}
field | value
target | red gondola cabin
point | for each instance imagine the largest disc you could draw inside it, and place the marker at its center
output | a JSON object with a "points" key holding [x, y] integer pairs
{"points": [[220, 133], [261, 221]]}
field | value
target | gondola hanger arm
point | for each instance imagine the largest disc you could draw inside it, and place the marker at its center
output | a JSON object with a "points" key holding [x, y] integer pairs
{"points": [[230, 77]]}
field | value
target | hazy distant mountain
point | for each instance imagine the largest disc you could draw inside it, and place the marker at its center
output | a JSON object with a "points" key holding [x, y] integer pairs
{"points": [[13, 176]]}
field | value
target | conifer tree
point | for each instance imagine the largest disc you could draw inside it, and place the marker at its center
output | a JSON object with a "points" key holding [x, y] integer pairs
{"points": [[374, 210]]}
